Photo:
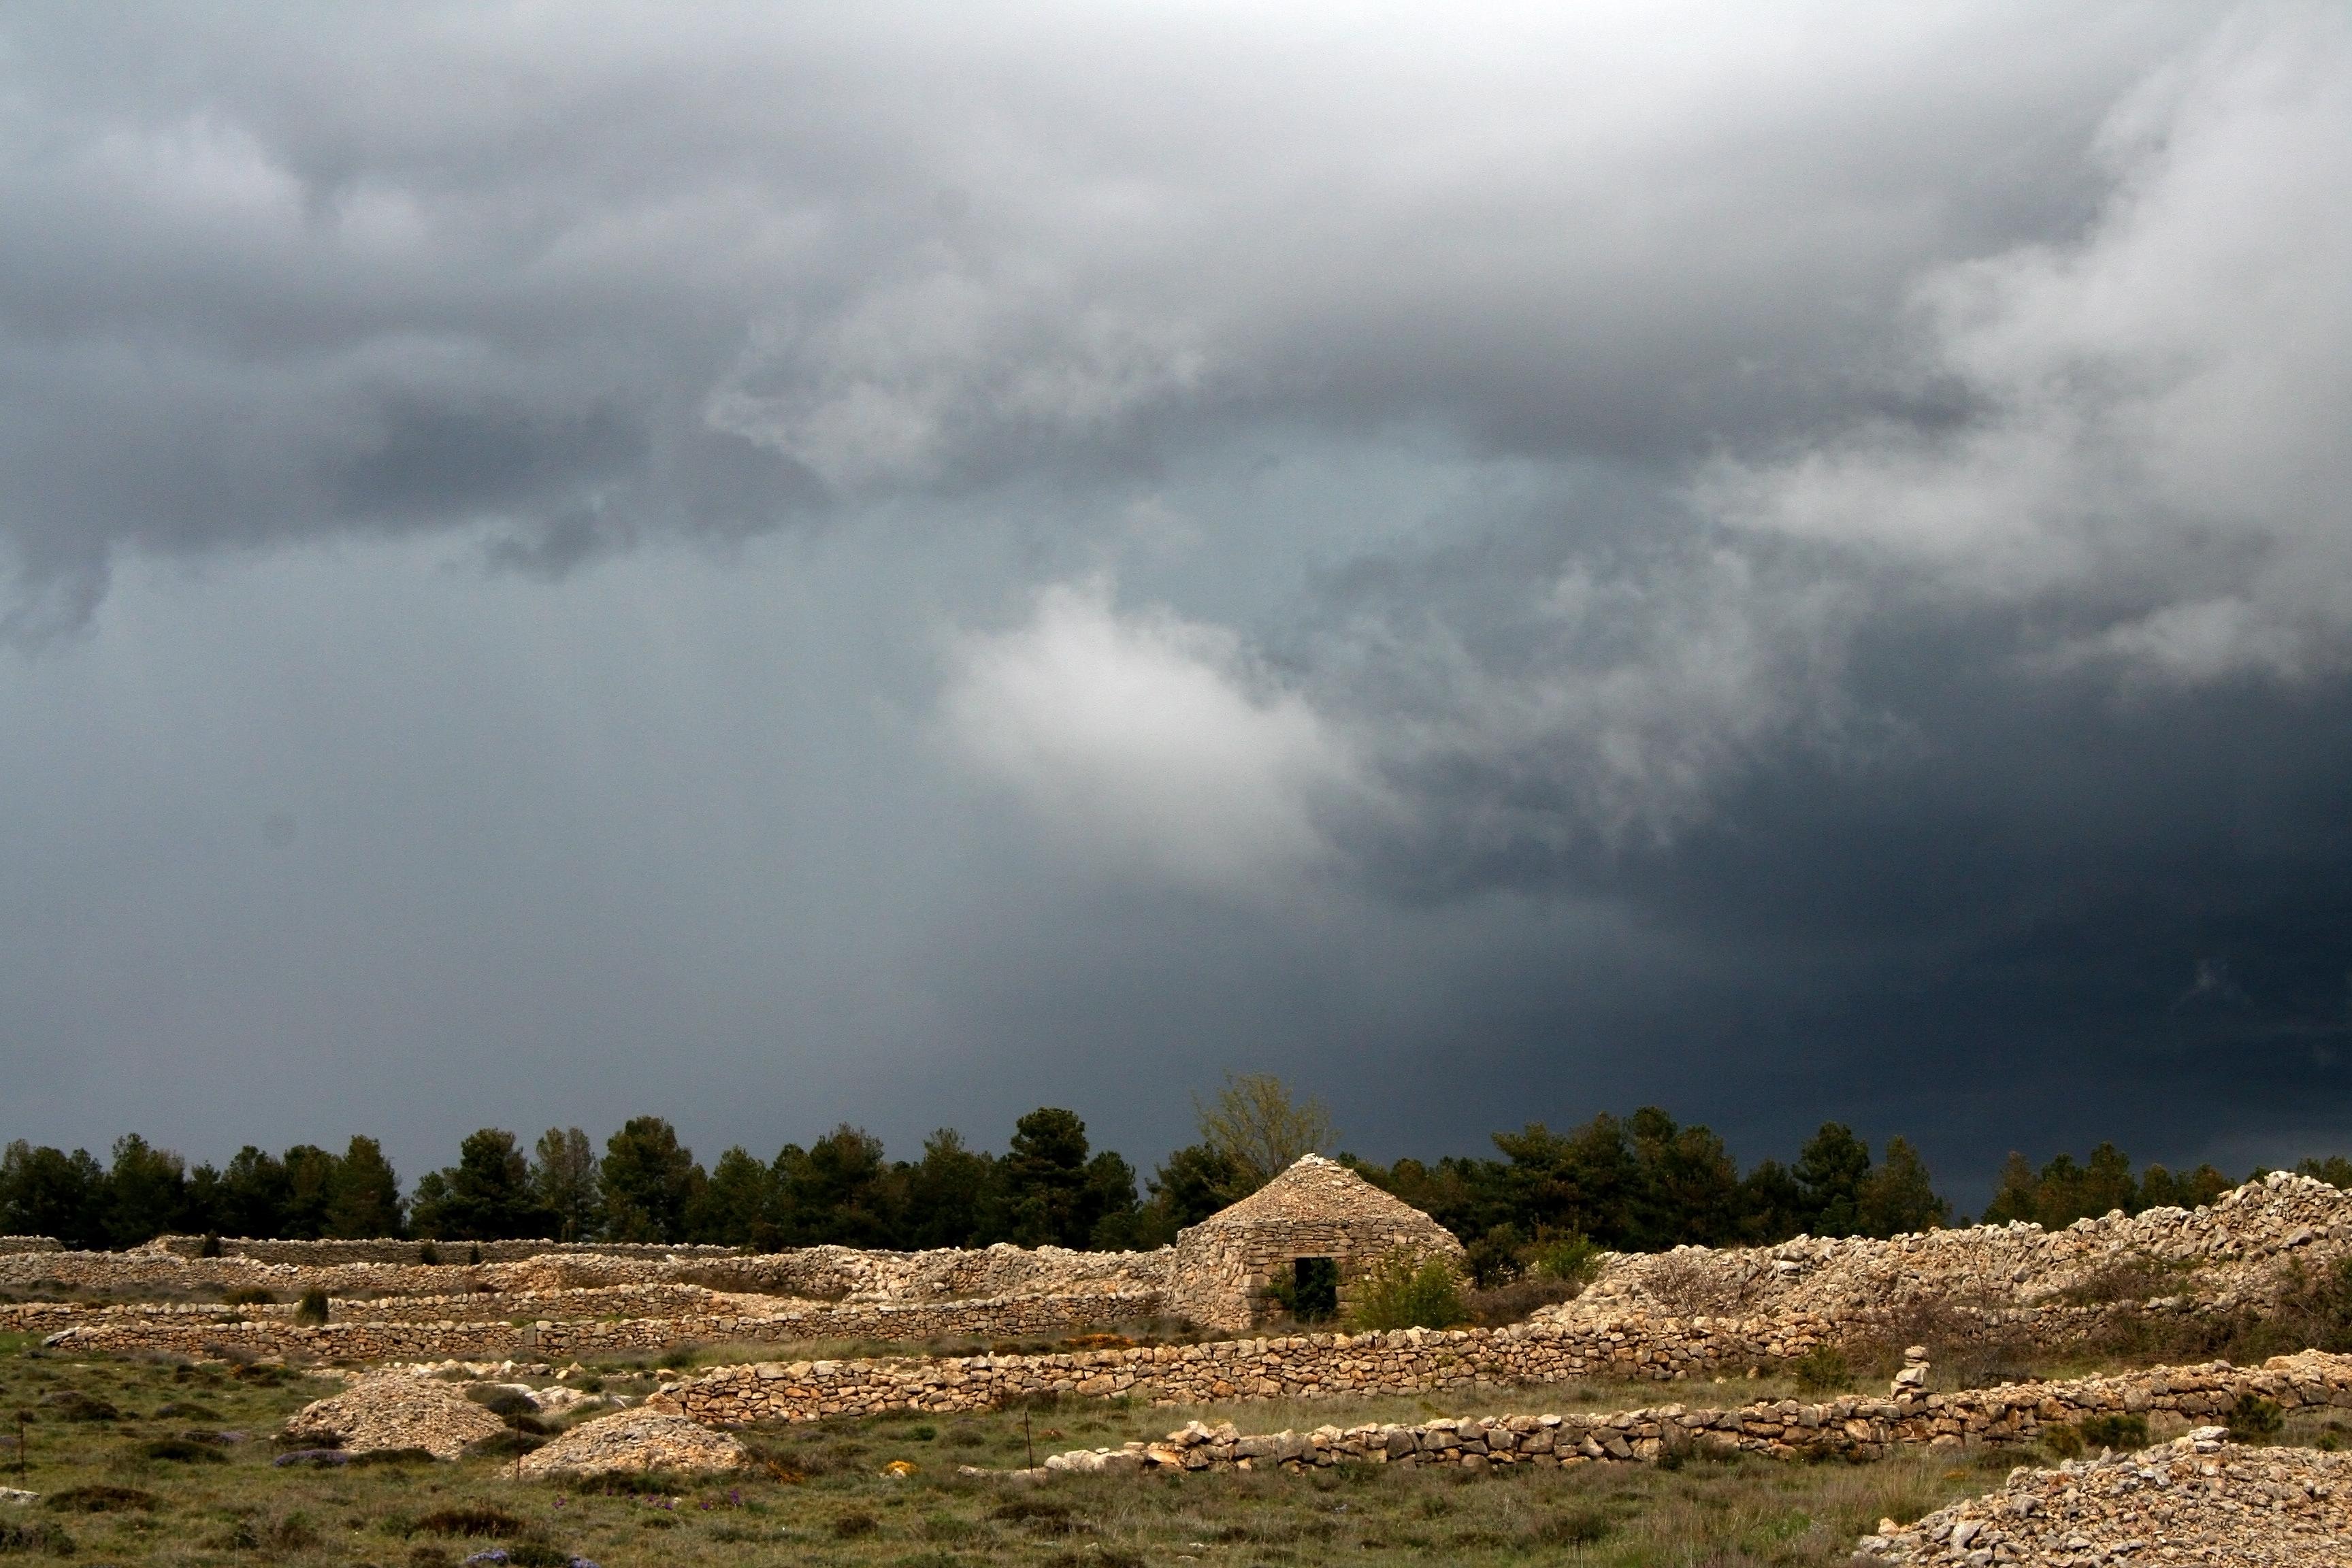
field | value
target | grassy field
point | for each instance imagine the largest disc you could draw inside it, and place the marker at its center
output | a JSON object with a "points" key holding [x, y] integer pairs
{"points": [[145, 1461]]}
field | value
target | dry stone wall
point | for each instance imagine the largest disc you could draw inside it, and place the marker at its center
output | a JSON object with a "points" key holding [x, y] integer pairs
{"points": [[2221, 1257], [13, 1244], [326, 1253], [1848, 1428], [814, 1273], [1303, 1366], [202, 1331]]}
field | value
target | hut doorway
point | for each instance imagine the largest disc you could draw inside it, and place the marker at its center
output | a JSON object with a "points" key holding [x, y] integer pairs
{"points": [[1314, 1288]]}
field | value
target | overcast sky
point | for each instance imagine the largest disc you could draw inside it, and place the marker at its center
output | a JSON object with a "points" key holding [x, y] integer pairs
{"points": [[776, 564]]}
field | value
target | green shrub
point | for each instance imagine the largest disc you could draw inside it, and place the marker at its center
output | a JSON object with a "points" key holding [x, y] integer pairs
{"points": [[180, 1452], [428, 1254], [101, 1500], [312, 1306], [476, 1520], [2255, 1419], [39, 1535], [2062, 1442], [2122, 1433], [1578, 1526], [1400, 1292], [1494, 1258], [1572, 1257], [1822, 1369]]}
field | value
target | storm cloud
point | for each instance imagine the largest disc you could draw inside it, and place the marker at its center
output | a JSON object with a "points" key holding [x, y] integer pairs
{"points": [[910, 564]]}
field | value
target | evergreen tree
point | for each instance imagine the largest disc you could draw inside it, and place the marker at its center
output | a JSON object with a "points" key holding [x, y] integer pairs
{"points": [[1899, 1196], [2016, 1195], [565, 1178], [1109, 1219], [948, 1193], [147, 1193], [1689, 1185], [1192, 1183], [1830, 1171], [364, 1201], [485, 1196], [310, 1175], [249, 1198], [1044, 1173], [1771, 1204], [44, 1192], [2334, 1170], [2160, 1188], [737, 1207], [838, 1190], [648, 1180]]}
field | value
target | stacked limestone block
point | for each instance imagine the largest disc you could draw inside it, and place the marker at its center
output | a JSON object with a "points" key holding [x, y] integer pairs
{"points": [[404, 1335], [814, 1273], [1847, 1428], [2216, 1257]]}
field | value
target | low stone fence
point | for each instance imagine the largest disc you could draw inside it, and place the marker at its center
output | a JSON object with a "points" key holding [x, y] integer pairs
{"points": [[1304, 1366], [379, 1268], [325, 1254], [2232, 1253], [207, 1331], [12, 1244], [470, 1307], [1849, 1427]]}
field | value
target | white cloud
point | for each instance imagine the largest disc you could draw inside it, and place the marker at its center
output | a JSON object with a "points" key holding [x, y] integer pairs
{"points": [[1151, 742], [2161, 408]]}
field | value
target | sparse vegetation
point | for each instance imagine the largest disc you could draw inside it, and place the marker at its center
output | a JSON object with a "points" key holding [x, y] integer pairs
{"points": [[1401, 1292], [2254, 1419], [2123, 1433], [820, 1494]]}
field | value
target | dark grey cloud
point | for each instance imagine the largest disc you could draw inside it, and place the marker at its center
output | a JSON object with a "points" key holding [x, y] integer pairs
{"points": [[1792, 563]]}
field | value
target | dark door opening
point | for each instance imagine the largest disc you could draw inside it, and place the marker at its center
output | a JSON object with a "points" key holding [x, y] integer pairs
{"points": [[1314, 1288]]}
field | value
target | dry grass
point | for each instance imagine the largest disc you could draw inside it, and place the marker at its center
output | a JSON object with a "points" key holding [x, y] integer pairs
{"points": [[820, 1496]]}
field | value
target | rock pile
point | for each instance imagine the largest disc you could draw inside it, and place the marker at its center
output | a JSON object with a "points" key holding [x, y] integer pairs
{"points": [[2220, 1257], [2198, 1498], [385, 1413], [635, 1442]]}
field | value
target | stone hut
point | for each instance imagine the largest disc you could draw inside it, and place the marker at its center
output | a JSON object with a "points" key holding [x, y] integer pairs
{"points": [[1316, 1229]]}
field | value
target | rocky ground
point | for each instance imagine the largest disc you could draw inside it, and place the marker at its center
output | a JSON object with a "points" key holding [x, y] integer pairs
{"points": [[391, 1413], [2225, 1254], [2199, 1498], [637, 1442]]}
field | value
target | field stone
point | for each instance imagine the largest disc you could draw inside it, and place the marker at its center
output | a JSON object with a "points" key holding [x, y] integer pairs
{"points": [[637, 1441], [396, 1412]]}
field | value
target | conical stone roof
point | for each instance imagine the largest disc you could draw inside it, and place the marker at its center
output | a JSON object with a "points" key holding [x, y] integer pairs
{"points": [[1317, 1189]]}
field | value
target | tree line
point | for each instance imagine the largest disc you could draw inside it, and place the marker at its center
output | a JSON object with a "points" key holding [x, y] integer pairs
{"points": [[1639, 1182]]}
